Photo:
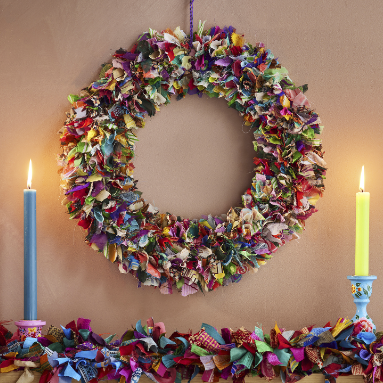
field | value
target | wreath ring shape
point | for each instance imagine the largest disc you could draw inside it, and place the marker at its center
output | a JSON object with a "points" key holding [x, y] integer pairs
{"points": [[98, 144]]}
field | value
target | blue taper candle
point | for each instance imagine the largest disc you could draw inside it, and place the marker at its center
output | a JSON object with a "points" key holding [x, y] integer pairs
{"points": [[30, 251]]}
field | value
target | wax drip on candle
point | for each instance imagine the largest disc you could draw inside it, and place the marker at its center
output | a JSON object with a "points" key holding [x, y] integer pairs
{"points": [[29, 182]]}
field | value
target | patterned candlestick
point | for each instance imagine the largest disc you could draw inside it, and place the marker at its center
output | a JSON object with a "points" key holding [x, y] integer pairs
{"points": [[361, 288]]}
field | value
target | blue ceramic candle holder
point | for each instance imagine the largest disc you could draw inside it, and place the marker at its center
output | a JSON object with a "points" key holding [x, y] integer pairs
{"points": [[361, 288]]}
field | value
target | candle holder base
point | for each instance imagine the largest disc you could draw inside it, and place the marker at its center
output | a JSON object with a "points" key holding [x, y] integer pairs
{"points": [[29, 328], [361, 288]]}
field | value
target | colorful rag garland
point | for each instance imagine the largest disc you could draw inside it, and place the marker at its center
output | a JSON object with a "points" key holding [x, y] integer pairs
{"points": [[98, 145], [75, 351]]}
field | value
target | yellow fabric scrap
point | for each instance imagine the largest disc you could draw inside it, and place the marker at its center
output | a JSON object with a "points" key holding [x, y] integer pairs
{"points": [[111, 85], [284, 101], [219, 276], [313, 199], [220, 90], [129, 122], [180, 36], [94, 177], [276, 328], [121, 139], [340, 326], [185, 62], [118, 72], [11, 355], [166, 231], [112, 252], [119, 253], [156, 365], [322, 352], [178, 51], [81, 172], [94, 247], [126, 88], [102, 195], [9, 368], [293, 364], [176, 85], [205, 223], [92, 133], [237, 40]]}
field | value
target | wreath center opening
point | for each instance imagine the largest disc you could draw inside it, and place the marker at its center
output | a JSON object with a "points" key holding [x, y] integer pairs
{"points": [[194, 158]]}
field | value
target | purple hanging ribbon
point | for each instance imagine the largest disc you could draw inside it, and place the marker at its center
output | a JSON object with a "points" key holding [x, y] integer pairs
{"points": [[191, 20]]}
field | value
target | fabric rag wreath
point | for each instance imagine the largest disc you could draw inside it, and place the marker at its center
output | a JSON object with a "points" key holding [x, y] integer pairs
{"points": [[98, 145]]}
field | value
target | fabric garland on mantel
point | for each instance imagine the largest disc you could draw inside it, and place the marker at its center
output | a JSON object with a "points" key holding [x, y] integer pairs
{"points": [[76, 351]]}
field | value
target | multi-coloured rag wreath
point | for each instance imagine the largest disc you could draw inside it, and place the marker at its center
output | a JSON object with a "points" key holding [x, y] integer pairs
{"points": [[98, 145]]}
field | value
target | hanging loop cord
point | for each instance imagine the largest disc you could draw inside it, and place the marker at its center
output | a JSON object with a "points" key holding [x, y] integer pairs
{"points": [[191, 20]]}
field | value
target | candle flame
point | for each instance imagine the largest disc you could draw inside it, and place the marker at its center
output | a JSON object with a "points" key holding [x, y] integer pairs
{"points": [[361, 184], [29, 182]]}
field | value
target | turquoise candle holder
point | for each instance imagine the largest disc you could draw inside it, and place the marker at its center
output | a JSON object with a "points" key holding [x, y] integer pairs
{"points": [[361, 288]]}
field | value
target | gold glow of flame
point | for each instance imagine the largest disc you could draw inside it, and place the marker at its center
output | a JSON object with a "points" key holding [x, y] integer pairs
{"points": [[29, 182], [361, 184]]}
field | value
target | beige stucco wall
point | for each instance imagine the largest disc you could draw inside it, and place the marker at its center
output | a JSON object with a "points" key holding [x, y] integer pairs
{"points": [[193, 158]]}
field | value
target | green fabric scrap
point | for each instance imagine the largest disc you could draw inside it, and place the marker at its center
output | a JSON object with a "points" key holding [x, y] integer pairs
{"points": [[58, 347], [258, 331], [237, 353], [109, 338], [73, 98], [246, 360], [283, 356], [180, 283], [257, 359], [262, 346], [199, 351], [68, 342], [84, 333]]}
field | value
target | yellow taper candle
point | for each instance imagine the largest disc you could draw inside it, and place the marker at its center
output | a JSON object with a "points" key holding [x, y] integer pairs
{"points": [[362, 230]]}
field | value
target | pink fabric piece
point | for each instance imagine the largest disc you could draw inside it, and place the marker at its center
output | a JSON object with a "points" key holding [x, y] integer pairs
{"points": [[267, 369], [55, 377], [188, 290], [83, 324], [127, 372], [301, 100], [292, 93], [190, 355], [298, 353], [255, 336], [161, 326], [161, 370], [208, 376], [272, 359], [166, 288], [133, 364]]}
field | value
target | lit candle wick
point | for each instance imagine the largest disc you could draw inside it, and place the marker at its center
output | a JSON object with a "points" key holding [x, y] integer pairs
{"points": [[361, 184], [29, 182]]}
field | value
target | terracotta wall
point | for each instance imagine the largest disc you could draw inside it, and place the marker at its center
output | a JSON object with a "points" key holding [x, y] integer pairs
{"points": [[193, 158]]}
